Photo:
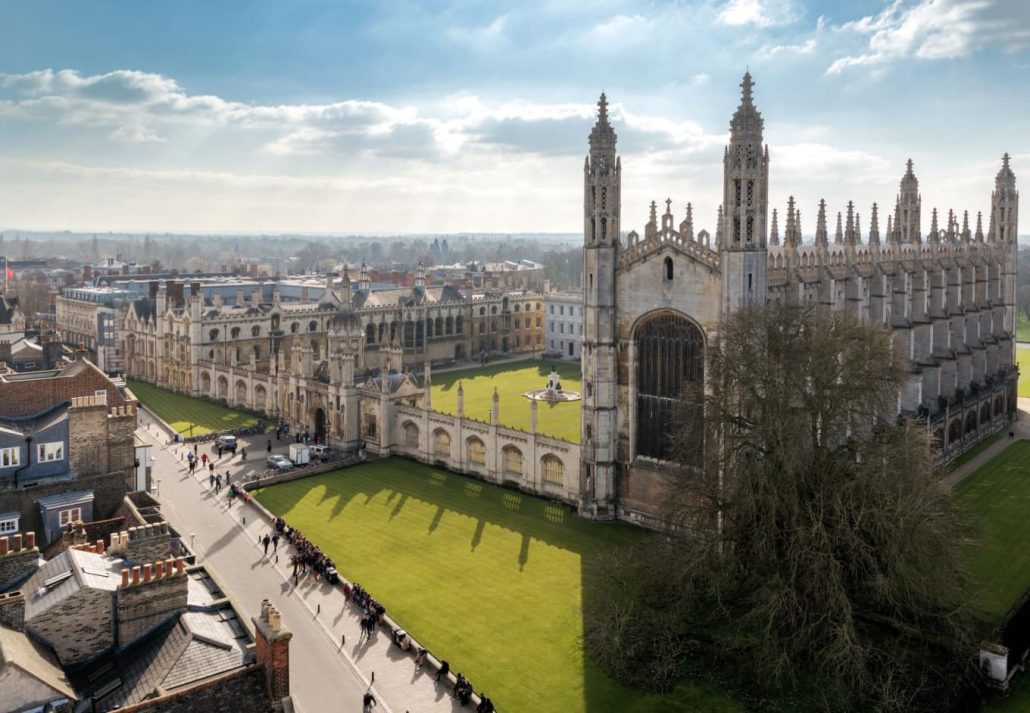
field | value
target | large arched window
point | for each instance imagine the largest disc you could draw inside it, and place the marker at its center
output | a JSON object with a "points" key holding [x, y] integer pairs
{"points": [[512, 460], [410, 435], [554, 469], [671, 356], [476, 451], [441, 443]]}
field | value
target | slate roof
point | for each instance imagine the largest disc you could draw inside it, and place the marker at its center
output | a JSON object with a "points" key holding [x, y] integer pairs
{"points": [[19, 651], [86, 570], [406, 297]]}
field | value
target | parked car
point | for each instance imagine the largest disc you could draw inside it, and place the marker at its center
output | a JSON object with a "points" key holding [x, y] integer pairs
{"points": [[279, 462], [226, 442], [321, 452]]}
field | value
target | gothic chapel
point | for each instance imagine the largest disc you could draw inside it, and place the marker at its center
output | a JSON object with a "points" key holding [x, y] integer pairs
{"points": [[652, 302]]}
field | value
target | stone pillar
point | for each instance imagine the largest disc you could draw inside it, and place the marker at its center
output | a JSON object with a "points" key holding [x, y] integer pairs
{"points": [[461, 401], [532, 415], [495, 411]]}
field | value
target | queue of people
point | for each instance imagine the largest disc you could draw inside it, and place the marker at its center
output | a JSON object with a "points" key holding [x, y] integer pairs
{"points": [[307, 555]]}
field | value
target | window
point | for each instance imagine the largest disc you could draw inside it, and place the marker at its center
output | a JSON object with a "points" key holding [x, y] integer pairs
{"points": [[561, 328], [442, 444], [294, 327], [554, 470], [512, 460], [410, 435], [561, 309], [668, 268], [7, 526], [67, 517], [255, 331], [51, 451], [476, 451], [235, 333], [10, 457], [551, 325], [552, 309], [312, 326], [213, 334], [538, 321]]}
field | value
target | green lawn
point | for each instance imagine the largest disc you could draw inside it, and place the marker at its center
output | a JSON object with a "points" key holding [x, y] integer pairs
{"points": [[1017, 701], [492, 580], [511, 381], [998, 497], [1023, 360], [1022, 327], [180, 411]]}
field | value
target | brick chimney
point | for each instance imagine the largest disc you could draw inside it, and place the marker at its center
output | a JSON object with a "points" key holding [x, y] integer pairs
{"points": [[152, 287], [18, 560], [272, 648], [176, 293], [146, 543], [143, 603], [87, 274]]}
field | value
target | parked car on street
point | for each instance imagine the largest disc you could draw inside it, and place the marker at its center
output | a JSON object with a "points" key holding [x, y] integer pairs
{"points": [[279, 462], [226, 442], [321, 452]]}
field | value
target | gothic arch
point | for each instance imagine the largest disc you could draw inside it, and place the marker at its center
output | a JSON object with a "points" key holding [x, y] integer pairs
{"points": [[999, 405], [223, 387], [260, 397], [985, 413], [553, 469], [441, 443], [205, 383], [670, 352], [955, 430], [970, 422], [241, 391], [512, 461], [475, 450], [410, 434]]}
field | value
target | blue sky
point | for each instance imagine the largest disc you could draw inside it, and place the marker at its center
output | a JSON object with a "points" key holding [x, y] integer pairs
{"points": [[473, 116]]}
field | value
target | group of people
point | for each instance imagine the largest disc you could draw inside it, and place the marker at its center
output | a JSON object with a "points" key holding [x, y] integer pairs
{"points": [[371, 610], [307, 555]]}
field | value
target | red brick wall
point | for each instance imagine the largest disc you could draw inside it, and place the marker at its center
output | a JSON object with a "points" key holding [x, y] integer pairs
{"points": [[24, 398]]}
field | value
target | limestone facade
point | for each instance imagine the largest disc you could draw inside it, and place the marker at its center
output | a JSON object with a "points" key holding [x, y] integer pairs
{"points": [[948, 298]]}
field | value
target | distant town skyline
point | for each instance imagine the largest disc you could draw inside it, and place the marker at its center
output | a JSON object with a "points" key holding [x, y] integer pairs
{"points": [[321, 117]]}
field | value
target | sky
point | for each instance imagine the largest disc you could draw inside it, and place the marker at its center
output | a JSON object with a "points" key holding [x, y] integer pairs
{"points": [[432, 117]]}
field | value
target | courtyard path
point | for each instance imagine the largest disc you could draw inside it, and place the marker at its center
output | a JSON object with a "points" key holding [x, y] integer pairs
{"points": [[325, 672], [1020, 427]]}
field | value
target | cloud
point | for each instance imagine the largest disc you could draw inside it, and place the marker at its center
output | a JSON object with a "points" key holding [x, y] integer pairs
{"points": [[699, 80], [485, 37], [135, 135], [760, 13], [935, 30], [621, 29]]}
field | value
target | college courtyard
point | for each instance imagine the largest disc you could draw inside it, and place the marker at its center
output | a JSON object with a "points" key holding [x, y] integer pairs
{"points": [[497, 581]]}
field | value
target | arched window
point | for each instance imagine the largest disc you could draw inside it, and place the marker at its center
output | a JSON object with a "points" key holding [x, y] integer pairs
{"points": [[257, 352], [671, 353], [441, 443], [213, 334], [459, 323], [668, 268], [410, 435], [294, 327], [235, 333], [312, 326], [476, 451], [255, 331], [554, 469], [370, 334], [512, 460], [449, 322], [482, 311]]}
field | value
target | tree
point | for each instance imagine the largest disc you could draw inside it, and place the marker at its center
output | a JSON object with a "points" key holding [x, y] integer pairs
{"points": [[814, 542]]}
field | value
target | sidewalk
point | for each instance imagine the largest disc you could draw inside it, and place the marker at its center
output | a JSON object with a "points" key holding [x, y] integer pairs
{"points": [[329, 669], [1021, 427]]}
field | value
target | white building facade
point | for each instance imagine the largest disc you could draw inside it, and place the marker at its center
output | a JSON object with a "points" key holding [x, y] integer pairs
{"points": [[563, 314]]}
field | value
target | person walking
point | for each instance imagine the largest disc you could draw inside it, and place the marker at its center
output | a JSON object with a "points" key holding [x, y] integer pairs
{"points": [[219, 453], [266, 541], [203, 459], [368, 702], [218, 482], [211, 466], [269, 446], [275, 542], [211, 481], [243, 454]]}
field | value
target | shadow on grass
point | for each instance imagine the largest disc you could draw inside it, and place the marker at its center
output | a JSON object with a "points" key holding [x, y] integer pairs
{"points": [[390, 484]]}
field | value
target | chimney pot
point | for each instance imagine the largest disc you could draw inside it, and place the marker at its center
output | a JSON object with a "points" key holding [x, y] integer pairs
{"points": [[180, 565], [273, 619], [30, 540], [135, 574], [125, 578], [3, 546], [99, 547], [169, 567], [147, 572], [16, 543], [159, 569]]}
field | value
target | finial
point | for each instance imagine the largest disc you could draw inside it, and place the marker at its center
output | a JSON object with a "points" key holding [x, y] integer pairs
{"points": [[668, 206], [654, 212], [908, 167], [874, 226], [838, 237], [774, 231], [820, 224], [1005, 160], [602, 109], [979, 226], [746, 87], [934, 232]]}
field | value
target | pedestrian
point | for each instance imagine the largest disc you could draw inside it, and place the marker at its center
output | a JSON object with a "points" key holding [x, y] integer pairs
{"points": [[194, 449], [218, 483], [445, 668], [203, 459], [228, 480], [420, 656], [275, 542], [219, 453], [211, 466], [243, 454], [211, 480], [266, 541], [368, 702], [269, 445]]}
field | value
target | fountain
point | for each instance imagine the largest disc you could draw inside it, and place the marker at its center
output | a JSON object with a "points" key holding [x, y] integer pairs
{"points": [[553, 392]]}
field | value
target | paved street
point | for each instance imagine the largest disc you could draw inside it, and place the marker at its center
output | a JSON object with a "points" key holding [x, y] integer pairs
{"points": [[324, 674]]}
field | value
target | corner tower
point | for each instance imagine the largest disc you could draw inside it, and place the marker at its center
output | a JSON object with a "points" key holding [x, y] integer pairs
{"points": [[746, 206], [601, 212]]}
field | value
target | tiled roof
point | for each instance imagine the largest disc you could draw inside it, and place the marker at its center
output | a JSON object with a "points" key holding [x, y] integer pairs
{"points": [[67, 573], [18, 650]]}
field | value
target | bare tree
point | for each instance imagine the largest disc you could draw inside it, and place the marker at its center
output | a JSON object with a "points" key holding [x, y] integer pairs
{"points": [[815, 542]]}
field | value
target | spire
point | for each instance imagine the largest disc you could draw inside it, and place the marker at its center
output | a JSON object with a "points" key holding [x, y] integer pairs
{"points": [[967, 236], [934, 232], [820, 225], [849, 234], [745, 95], [602, 136], [890, 227], [774, 230], [952, 225], [747, 123], [687, 226], [908, 167], [789, 239], [858, 229], [838, 237], [874, 226], [979, 226]]}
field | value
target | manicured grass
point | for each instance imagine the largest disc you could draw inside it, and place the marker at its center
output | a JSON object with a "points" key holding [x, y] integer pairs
{"points": [[180, 411], [511, 381], [492, 580], [1023, 360], [1017, 701], [998, 497], [1022, 327]]}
